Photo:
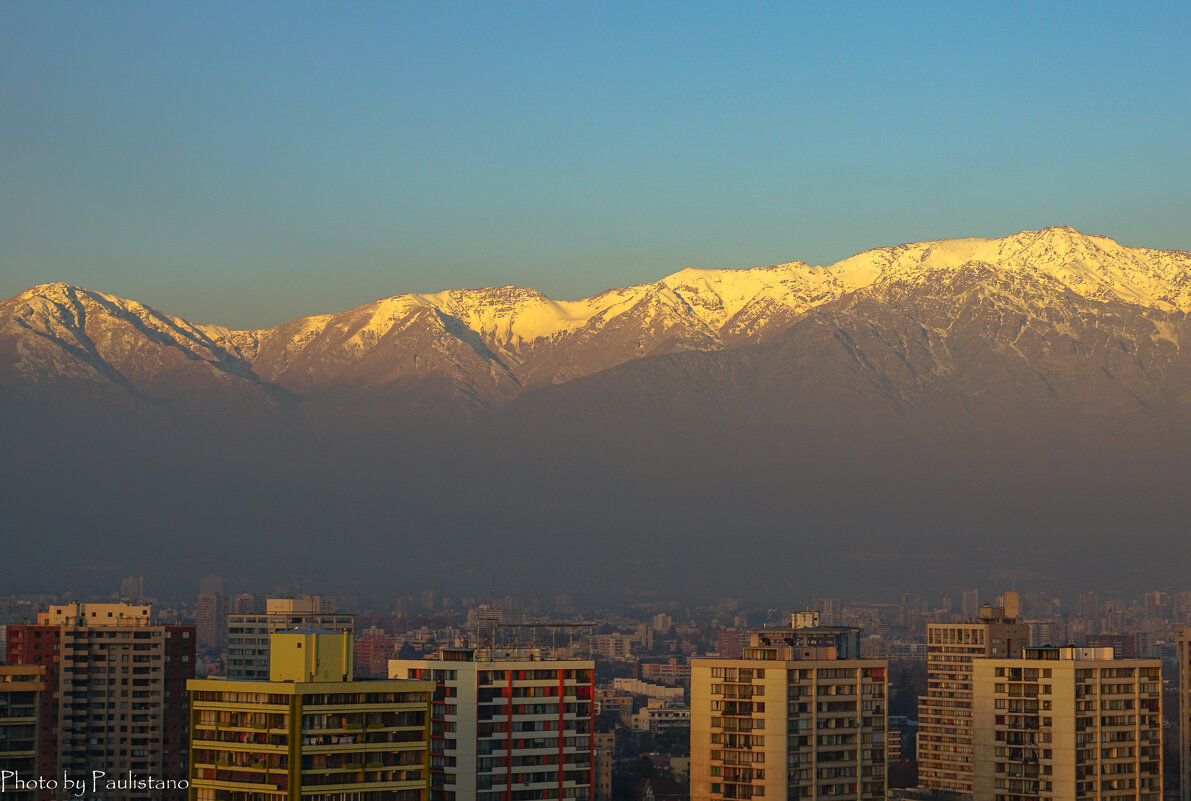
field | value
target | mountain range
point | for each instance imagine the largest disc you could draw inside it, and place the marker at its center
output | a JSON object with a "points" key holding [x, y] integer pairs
{"points": [[1048, 293], [987, 408]]}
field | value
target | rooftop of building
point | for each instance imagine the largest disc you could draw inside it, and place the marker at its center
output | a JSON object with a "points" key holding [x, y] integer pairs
{"points": [[1068, 653], [805, 630], [314, 630], [97, 614], [224, 684], [487, 655]]}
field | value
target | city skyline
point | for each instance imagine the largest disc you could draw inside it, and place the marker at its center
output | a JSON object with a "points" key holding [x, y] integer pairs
{"points": [[595, 401]]}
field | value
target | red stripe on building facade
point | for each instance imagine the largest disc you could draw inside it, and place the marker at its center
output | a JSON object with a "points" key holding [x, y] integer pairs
{"points": [[509, 738], [562, 727]]}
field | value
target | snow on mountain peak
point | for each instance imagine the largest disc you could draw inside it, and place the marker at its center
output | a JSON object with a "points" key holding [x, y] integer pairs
{"points": [[725, 305], [712, 307], [490, 342], [1092, 266]]}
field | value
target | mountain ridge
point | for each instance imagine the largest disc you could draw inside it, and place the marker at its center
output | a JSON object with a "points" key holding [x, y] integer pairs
{"points": [[483, 347]]}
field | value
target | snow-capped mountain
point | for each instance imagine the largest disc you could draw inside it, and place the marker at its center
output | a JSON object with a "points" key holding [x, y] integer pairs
{"points": [[927, 412], [469, 350]]}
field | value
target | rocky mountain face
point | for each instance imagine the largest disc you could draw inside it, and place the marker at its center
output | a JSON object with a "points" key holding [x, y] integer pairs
{"points": [[1048, 301]]}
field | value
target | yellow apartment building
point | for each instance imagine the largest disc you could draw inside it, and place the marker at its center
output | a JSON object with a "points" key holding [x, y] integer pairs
{"points": [[311, 732]]}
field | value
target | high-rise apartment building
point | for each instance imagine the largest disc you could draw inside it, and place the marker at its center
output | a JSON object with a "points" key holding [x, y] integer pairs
{"points": [[374, 649], [132, 589], [247, 603], [1124, 646], [1183, 636], [507, 724], [21, 687], [115, 697], [248, 634], [945, 751], [37, 646], [311, 732], [1067, 723], [211, 620], [788, 720], [605, 756], [729, 642], [1087, 605], [1157, 605], [970, 602]]}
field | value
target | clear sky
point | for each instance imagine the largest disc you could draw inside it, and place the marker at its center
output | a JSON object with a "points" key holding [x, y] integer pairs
{"points": [[247, 163]]}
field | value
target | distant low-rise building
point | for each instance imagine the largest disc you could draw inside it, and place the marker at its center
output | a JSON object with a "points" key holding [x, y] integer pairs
{"points": [[660, 715], [638, 687], [615, 702], [613, 646], [672, 672]]}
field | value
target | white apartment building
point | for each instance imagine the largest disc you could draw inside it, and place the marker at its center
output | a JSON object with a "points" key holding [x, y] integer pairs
{"points": [[507, 725]]}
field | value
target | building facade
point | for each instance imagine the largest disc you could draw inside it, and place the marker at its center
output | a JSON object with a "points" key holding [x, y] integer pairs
{"points": [[311, 732], [507, 725], [248, 633], [37, 646], [605, 756], [374, 649], [211, 619], [1067, 723], [1183, 637], [788, 721], [945, 751], [115, 697], [21, 688]]}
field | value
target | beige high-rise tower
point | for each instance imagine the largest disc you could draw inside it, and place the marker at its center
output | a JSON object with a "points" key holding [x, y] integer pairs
{"points": [[945, 752], [114, 699], [788, 720], [1184, 641], [1068, 723]]}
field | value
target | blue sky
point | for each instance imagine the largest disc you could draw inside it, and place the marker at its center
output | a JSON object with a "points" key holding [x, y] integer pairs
{"points": [[245, 164]]}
